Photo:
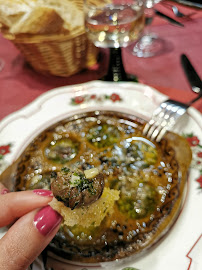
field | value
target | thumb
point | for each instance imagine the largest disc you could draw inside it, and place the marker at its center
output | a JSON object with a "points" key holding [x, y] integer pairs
{"points": [[27, 238]]}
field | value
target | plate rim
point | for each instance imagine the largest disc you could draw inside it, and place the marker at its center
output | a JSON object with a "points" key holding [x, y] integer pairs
{"points": [[194, 113]]}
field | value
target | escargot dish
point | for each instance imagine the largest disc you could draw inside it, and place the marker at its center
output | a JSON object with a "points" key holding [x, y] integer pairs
{"points": [[134, 194]]}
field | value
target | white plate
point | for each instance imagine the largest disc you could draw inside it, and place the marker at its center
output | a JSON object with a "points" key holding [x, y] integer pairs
{"points": [[181, 249]]}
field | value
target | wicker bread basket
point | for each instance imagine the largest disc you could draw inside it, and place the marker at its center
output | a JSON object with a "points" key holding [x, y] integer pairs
{"points": [[60, 55]]}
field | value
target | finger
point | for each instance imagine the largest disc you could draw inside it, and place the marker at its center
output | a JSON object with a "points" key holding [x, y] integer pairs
{"points": [[16, 204], [26, 239], [3, 189]]}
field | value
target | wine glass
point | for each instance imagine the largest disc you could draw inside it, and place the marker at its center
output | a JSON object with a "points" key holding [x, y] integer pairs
{"points": [[114, 24], [150, 44]]}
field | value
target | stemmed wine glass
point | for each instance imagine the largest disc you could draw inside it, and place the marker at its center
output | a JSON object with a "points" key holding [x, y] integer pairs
{"points": [[114, 24], [150, 44]]}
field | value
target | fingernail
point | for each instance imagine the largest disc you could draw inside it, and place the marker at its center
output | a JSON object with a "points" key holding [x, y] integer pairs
{"points": [[43, 192], [4, 191], [46, 220]]}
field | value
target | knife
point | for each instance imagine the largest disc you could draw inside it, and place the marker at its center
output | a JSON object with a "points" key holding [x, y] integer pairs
{"points": [[191, 74], [171, 20]]}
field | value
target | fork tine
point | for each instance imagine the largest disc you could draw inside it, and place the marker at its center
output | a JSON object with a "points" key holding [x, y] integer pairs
{"points": [[147, 127], [157, 118], [153, 119], [171, 122], [162, 133], [163, 119]]}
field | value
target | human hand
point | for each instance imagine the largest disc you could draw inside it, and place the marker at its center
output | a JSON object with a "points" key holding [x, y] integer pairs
{"points": [[34, 224]]}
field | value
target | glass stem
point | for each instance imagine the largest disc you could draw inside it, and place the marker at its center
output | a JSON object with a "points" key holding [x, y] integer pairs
{"points": [[116, 71], [149, 16]]}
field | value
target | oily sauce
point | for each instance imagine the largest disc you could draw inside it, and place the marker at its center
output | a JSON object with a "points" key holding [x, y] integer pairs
{"points": [[145, 173]]}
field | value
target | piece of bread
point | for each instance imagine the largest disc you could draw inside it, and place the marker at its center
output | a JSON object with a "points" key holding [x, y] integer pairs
{"points": [[88, 215], [41, 16], [41, 20], [71, 11], [12, 11]]}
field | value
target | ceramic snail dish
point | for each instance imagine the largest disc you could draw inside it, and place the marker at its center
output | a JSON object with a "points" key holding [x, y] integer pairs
{"points": [[150, 178]]}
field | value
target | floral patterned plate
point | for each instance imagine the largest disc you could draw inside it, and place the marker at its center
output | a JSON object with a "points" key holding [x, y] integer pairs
{"points": [[182, 246]]}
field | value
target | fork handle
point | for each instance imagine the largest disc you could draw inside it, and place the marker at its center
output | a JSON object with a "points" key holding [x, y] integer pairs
{"points": [[194, 100]]}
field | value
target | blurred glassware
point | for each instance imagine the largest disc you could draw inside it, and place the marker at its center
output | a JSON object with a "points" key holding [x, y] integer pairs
{"points": [[114, 24], [150, 44], [1, 64]]}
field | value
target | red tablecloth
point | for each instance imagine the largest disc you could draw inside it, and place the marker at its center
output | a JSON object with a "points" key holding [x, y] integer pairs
{"points": [[19, 84]]}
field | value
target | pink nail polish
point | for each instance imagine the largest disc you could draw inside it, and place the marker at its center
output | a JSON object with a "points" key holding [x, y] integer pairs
{"points": [[46, 220], [4, 191], [43, 192]]}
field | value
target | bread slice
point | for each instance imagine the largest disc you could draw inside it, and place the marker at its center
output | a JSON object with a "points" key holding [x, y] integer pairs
{"points": [[41, 20], [69, 10], [12, 11], [41, 16], [88, 215]]}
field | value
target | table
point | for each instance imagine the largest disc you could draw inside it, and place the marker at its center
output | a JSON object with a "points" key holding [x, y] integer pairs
{"points": [[19, 84]]}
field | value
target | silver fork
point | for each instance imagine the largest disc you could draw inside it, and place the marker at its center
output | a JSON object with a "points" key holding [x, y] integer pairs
{"points": [[165, 117]]}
